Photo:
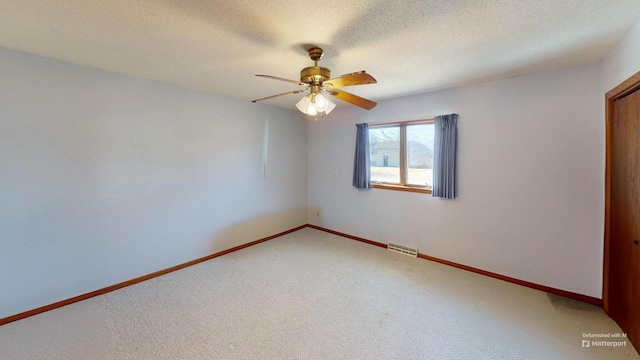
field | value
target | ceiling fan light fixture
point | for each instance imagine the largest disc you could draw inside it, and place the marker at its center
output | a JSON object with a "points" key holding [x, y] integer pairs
{"points": [[309, 104], [321, 103], [312, 104], [311, 110], [303, 104]]}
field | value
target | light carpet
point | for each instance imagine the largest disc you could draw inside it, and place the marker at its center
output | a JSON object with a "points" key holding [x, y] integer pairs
{"points": [[313, 295]]}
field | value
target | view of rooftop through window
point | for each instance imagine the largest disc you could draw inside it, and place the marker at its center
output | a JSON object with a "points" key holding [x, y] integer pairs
{"points": [[420, 154], [385, 146], [385, 154]]}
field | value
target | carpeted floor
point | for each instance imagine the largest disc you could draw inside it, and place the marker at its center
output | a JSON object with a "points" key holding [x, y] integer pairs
{"points": [[313, 295]]}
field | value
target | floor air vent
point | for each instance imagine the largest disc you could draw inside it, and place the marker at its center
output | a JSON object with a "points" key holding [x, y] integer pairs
{"points": [[402, 249]]}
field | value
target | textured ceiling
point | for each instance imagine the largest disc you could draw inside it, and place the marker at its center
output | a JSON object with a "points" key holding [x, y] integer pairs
{"points": [[409, 46]]}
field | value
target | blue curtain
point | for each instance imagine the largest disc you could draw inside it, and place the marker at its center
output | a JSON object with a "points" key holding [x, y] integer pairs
{"points": [[361, 171], [444, 157]]}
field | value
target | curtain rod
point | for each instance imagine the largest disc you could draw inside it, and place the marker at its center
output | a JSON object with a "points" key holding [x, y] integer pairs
{"points": [[402, 122]]}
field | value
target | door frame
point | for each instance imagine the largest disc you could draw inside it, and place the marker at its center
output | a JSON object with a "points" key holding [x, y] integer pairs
{"points": [[625, 88]]}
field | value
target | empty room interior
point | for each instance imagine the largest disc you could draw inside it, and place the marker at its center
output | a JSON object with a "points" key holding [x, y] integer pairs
{"points": [[333, 180]]}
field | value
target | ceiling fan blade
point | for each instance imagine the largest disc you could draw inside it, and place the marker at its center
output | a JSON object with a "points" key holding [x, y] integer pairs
{"points": [[357, 78], [282, 79], [274, 96], [353, 99]]}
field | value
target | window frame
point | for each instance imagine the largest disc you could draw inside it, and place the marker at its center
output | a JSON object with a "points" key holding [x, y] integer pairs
{"points": [[403, 185]]}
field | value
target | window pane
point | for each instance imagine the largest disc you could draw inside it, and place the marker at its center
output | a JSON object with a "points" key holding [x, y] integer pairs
{"points": [[420, 154], [385, 154]]}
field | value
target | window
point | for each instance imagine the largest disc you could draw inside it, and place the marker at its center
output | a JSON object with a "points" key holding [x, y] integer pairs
{"points": [[401, 155]]}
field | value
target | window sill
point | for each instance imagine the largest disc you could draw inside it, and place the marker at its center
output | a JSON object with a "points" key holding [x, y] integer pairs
{"points": [[401, 188]]}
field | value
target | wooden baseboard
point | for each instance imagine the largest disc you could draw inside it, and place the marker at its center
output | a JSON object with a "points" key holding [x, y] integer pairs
{"points": [[568, 294], [370, 242], [547, 289], [121, 285]]}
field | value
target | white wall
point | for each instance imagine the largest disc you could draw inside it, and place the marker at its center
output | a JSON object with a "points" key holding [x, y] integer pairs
{"points": [[105, 177], [531, 164], [623, 61]]}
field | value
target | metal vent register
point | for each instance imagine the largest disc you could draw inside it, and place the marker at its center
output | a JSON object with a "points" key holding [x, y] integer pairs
{"points": [[402, 249]]}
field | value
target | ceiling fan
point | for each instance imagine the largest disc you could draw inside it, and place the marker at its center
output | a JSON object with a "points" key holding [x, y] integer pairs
{"points": [[317, 80]]}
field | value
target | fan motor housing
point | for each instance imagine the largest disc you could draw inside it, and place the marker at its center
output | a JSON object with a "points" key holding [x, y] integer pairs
{"points": [[314, 74]]}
